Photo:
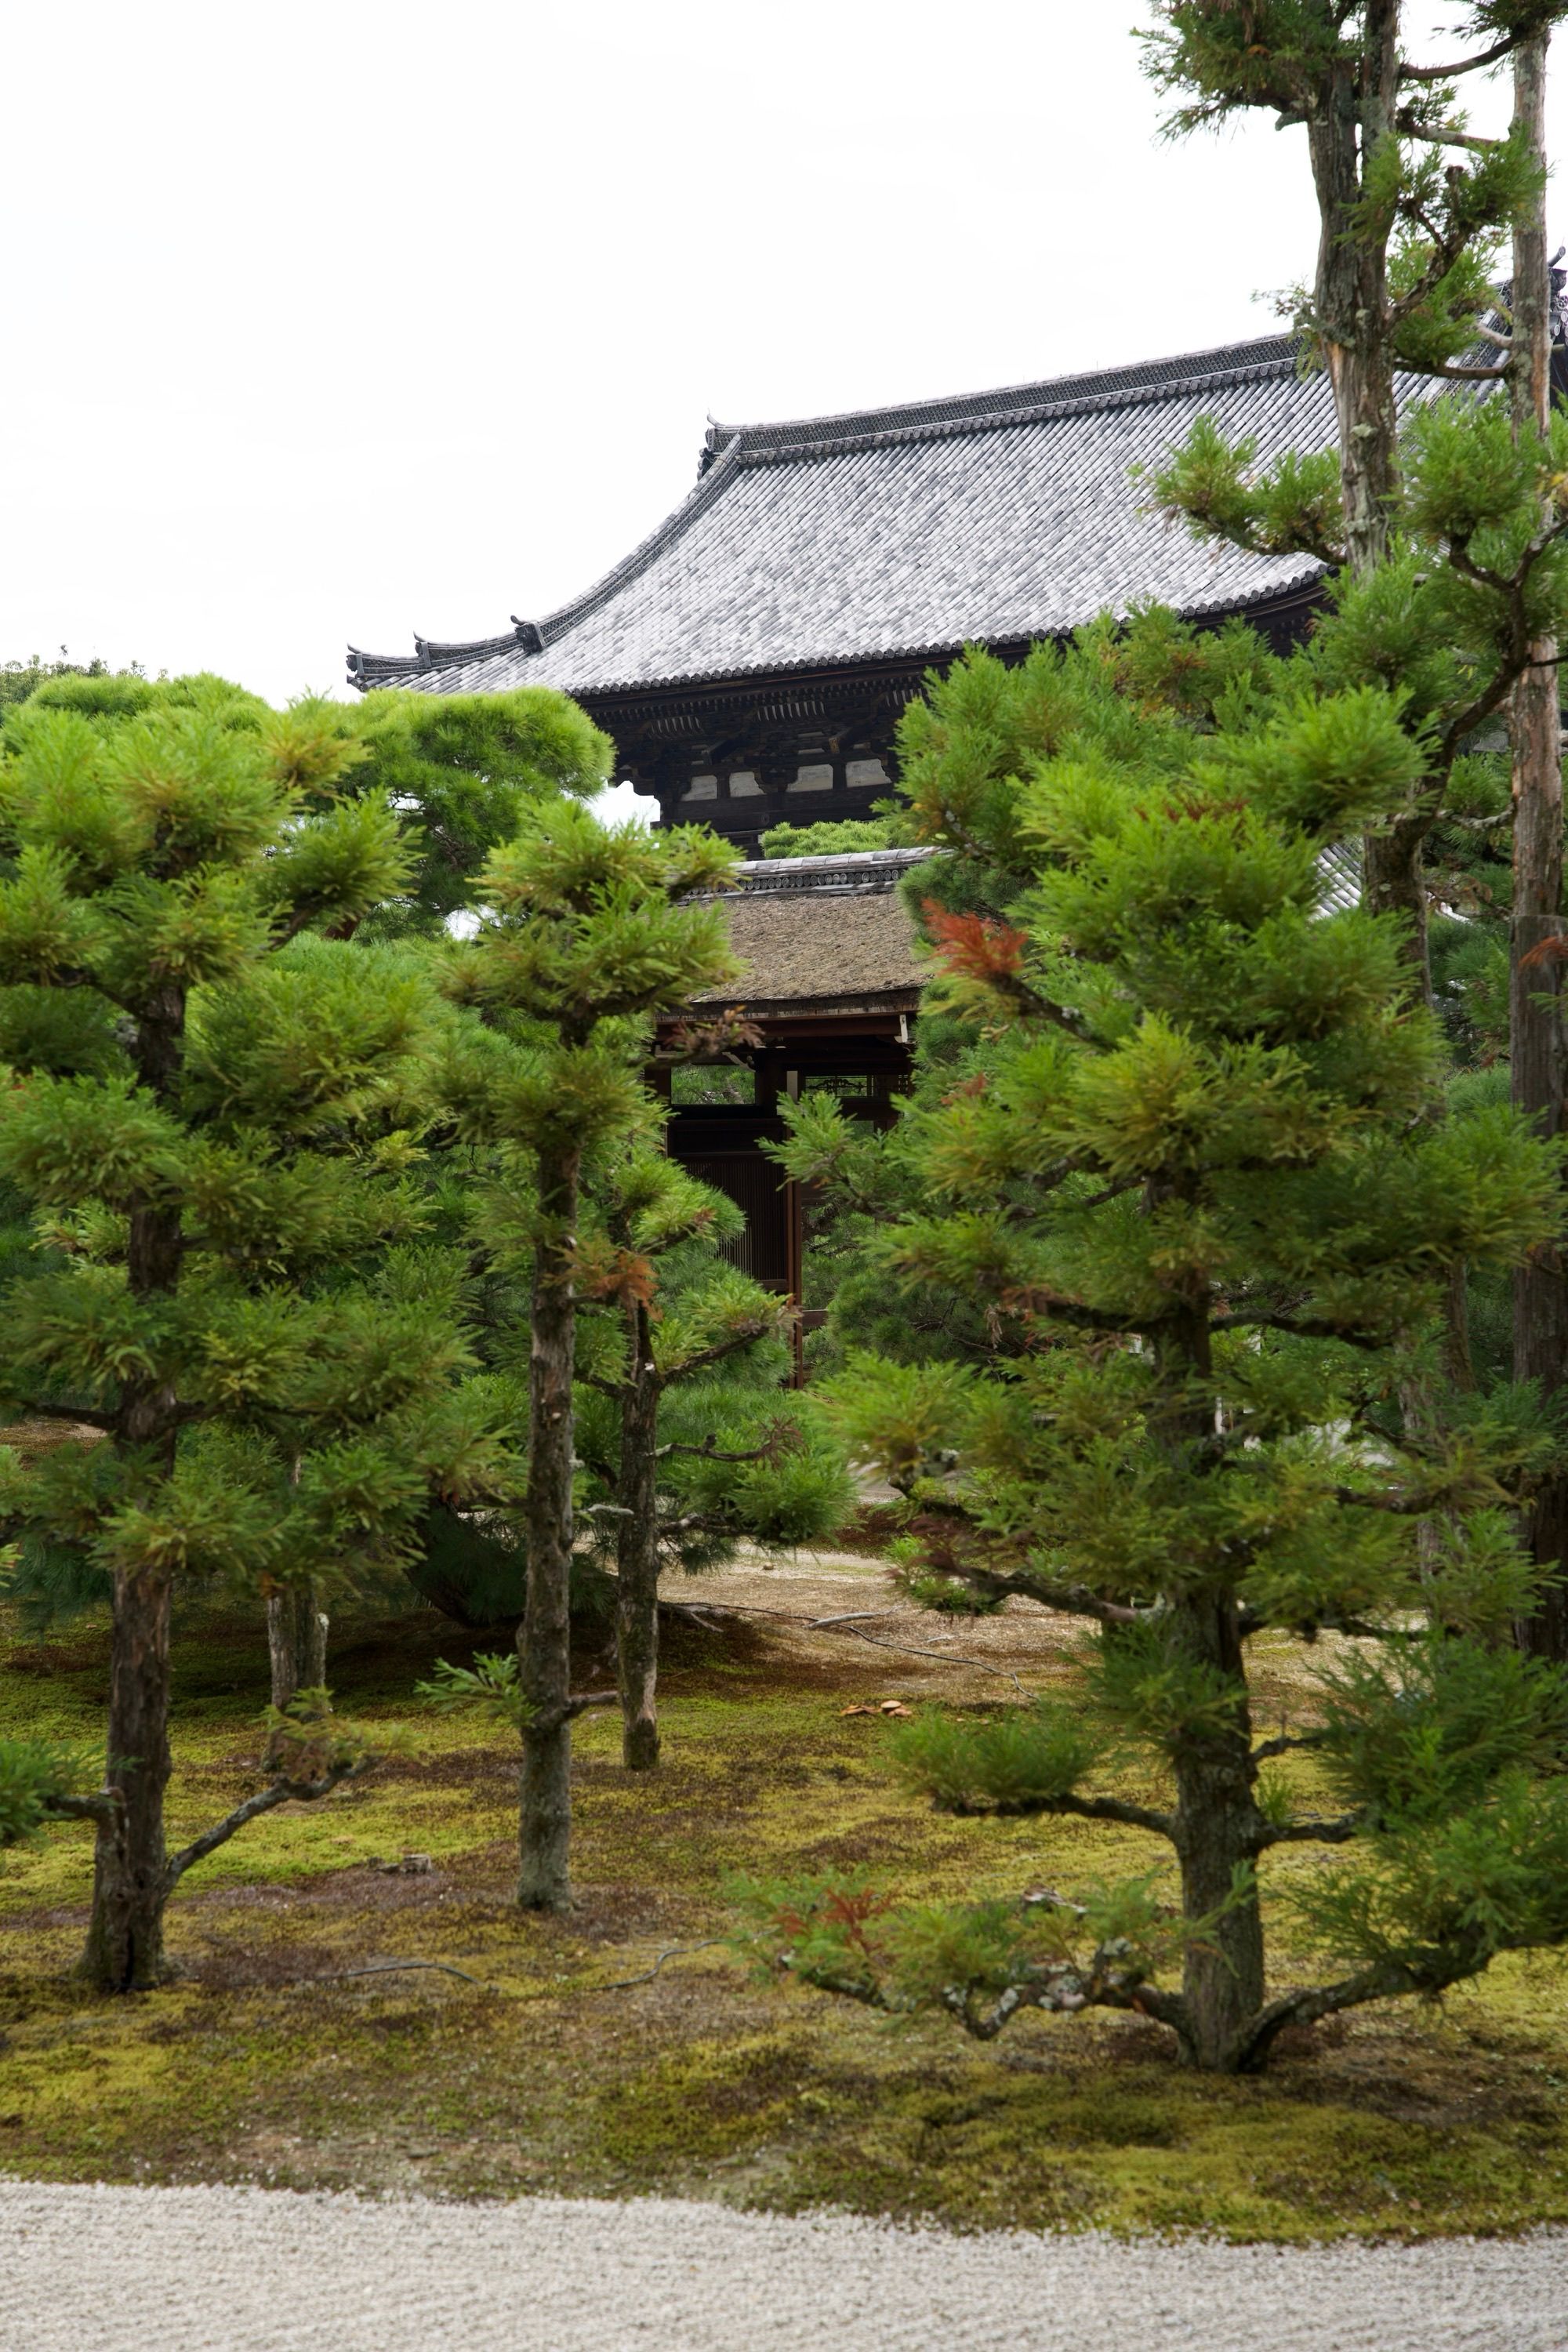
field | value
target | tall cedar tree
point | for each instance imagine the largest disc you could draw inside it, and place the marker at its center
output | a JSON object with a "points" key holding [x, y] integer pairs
{"points": [[1402, 280], [1411, 207], [586, 933], [197, 1108], [1188, 1172], [1538, 1067], [688, 1354]]}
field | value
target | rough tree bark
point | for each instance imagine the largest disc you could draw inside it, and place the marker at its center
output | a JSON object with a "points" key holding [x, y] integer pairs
{"points": [[544, 1637], [1216, 1824], [1355, 109], [296, 1641], [124, 1950], [1535, 1010], [296, 1634], [636, 1552]]}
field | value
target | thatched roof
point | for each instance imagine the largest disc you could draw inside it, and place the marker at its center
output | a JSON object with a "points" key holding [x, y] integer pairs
{"points": [[825, 931]]}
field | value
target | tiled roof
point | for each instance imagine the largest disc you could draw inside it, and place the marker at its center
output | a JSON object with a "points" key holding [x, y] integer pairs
{"points": [[993, 518]]}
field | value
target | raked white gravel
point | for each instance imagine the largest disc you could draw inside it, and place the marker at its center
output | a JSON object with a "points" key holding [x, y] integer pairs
{"points": [[247, 2269]]}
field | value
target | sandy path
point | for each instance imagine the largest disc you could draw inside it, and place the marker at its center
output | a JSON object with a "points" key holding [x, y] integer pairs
{"points": [[900, 1650], [246, 2270]]}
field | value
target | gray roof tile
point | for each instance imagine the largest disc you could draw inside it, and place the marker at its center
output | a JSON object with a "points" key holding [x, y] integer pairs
{"points": [[996, 517]]}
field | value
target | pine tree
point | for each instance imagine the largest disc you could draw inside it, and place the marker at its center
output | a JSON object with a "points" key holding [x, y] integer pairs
{"points": [[586, 936], [705, 1446], [459, 768], [467, 767], [1189, 1170], [212, 1107]]}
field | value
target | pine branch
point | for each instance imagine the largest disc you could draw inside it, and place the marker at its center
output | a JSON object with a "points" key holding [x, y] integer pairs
{"points": [[1086, 1808], [741, 1337], [1284, 1742], [709, 1451], [281, 1792], [102, 1807], [1511, 590], [1067, 1600], [1433, 1972], [1033, 1299], [1310, 1831], [551, 1718], [1443, 134], [1394, 1506], [1477, 64], [1302, 1327], [90, 1417]]}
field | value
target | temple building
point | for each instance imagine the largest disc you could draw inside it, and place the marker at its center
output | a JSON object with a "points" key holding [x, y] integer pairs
{"points": [[750, 659]]}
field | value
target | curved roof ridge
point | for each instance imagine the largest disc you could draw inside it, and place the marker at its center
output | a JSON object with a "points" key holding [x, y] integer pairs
{"points": [[708, 484], [533, 637], [1019, 402], [751, 571]]}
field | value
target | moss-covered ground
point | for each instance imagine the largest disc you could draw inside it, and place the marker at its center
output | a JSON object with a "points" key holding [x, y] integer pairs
{"points": [[267, 2061]]}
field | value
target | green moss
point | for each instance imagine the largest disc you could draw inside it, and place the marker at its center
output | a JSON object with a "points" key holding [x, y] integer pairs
{"points": [[265, 2062]]}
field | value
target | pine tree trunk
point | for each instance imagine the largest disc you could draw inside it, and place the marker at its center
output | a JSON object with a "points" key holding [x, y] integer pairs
{"points": [[1535, 1010], [124, 1950], [1216, 1820], [130, 1886], [296, 1642], [544, 1637], [1217, 1826], [637, 1553]]}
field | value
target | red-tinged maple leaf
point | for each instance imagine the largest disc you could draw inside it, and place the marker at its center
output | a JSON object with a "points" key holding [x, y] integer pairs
{"points": [[976, 947]]}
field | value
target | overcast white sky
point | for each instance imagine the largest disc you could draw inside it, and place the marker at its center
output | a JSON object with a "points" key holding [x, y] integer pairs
{"points": [[328, 321]]}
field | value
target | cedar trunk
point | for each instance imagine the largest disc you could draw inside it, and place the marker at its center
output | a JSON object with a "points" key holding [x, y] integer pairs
{"points": [[124, 1950], [1352, 314], [636, 1552], [1535, 1011], [1351, 286], [544, 1637]]}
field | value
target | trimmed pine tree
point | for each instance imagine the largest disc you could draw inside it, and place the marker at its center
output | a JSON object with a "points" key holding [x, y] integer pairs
{"points": [[688, 1435], [587, 932], [213, 1108], [1187, 1166]]}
